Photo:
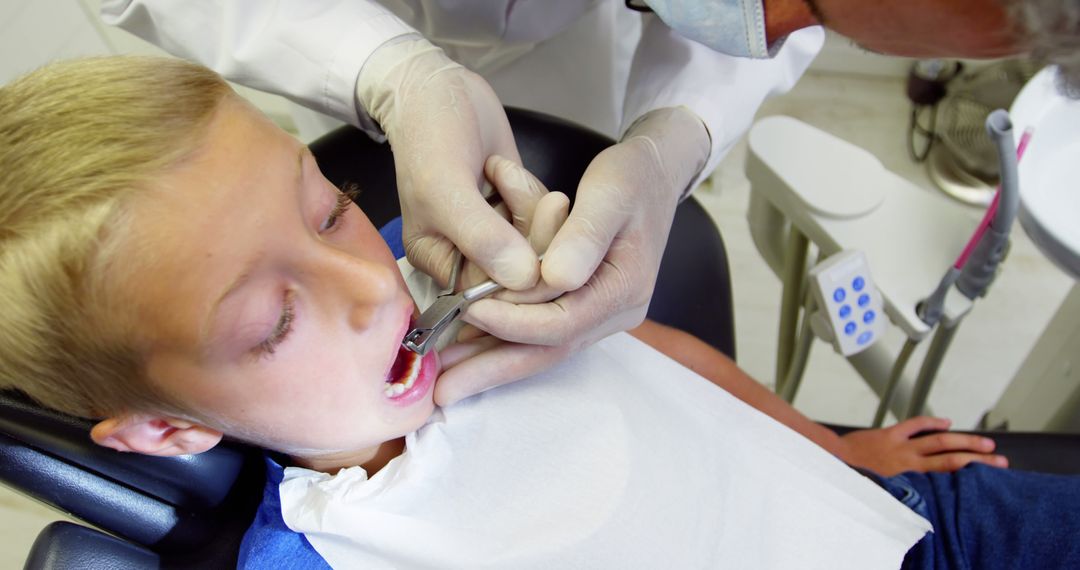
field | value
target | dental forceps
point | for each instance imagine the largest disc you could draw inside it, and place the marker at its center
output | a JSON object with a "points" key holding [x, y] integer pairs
{"points": [[447, 307]]}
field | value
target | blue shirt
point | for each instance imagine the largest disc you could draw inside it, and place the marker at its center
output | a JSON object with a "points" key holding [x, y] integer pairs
{"points": [[268, 542]]}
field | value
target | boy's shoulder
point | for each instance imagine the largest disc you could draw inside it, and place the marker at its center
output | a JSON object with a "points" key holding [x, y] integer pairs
{"points": [[269, 542]]}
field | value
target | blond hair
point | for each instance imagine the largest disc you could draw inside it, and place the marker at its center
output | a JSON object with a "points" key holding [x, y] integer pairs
{"points": [[76, 139]]}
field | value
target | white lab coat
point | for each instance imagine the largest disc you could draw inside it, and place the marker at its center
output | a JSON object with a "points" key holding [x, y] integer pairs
{"points": [[592, 62]]}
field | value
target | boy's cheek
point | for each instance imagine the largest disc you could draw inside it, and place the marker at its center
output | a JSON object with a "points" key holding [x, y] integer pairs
{"points": [[332, 363]]}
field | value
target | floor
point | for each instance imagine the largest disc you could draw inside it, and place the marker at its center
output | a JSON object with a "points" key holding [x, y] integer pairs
{"points": [[871, 113]]}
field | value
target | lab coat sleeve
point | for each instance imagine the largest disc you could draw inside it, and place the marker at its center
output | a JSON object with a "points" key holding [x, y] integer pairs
{"points": [[309, 51], [725, 91]]}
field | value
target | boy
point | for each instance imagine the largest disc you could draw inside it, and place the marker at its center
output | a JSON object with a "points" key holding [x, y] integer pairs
{"points": [[141, 286]]}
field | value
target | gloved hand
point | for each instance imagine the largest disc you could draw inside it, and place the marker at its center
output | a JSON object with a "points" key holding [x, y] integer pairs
{"points": [[443, 122], [477, 360], [606, 255]]}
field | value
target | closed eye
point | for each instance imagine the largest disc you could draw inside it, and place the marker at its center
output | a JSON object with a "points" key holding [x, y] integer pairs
{"points": [[281, 329], [340, 207]]}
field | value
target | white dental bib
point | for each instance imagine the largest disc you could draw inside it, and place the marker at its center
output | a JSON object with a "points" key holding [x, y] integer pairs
{"points": [[617, 458]]}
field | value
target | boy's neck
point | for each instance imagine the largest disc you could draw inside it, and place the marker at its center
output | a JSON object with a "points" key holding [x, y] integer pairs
{"points": [[371, 460]]}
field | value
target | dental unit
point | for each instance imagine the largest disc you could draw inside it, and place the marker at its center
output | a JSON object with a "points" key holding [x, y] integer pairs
{"points": [[973, 271], [810, 213]]}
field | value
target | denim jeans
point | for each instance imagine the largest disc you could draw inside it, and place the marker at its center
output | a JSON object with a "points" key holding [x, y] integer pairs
{"points": [[988, 518]]}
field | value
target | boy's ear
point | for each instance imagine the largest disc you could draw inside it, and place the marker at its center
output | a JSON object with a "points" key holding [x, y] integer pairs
{"points": [[154, 435]]}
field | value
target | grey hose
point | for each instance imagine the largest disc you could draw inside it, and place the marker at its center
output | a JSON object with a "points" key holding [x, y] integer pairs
{"points": [[979, 271], [999, 127]]}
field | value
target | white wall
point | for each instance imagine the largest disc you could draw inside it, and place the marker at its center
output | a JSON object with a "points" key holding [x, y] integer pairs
{"points": [[36, 32], [33, 32]]}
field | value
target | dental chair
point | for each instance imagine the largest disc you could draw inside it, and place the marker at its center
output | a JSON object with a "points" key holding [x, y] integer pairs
{"points": [[191, 512]]}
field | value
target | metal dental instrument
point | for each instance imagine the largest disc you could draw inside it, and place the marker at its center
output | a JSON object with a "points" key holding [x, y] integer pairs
{"points": [[447, 307], [444, 311]]}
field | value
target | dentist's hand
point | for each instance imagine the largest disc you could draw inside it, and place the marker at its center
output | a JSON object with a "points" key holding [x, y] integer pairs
{"points": [[477, 360], [443, 122], [606, 256]]}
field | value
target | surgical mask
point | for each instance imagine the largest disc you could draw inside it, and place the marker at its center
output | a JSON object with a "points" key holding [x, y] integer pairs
{"points": [[734, 27]]}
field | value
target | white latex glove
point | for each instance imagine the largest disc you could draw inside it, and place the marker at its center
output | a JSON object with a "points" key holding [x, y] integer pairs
{"points": [[471, 364], [606, 255], [443, 122]]}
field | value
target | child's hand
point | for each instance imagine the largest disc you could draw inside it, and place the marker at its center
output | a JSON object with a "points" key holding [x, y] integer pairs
{"points": [[893, 450]]}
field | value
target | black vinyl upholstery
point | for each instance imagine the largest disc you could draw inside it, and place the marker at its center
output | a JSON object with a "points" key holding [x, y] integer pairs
{"points": [[66, 545], [180, 507], [190, 512]]}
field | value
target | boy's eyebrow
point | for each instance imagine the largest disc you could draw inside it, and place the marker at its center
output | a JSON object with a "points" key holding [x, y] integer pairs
{"points": [[249, 267]]}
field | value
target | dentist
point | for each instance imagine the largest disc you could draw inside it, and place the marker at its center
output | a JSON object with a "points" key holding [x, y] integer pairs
{"points": [[1046, 30], [432, 78]]}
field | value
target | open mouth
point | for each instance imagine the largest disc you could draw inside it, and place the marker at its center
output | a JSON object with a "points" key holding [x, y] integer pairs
{"points": [[403, 373]]}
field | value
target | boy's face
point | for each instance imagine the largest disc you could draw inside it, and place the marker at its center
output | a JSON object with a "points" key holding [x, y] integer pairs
{"points": [[260, 308]]}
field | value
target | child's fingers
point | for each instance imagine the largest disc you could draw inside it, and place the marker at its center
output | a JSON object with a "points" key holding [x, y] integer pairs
{"points": [[948, 441], [910, 427], [955, 461]]}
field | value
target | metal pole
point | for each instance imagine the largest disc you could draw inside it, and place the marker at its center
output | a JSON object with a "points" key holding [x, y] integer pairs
{"points": [[894, 379], [790, 303], [799, 358], [931, 363]]}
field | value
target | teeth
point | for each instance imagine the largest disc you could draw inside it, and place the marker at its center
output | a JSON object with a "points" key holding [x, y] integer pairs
{"points": [[398, 387]]}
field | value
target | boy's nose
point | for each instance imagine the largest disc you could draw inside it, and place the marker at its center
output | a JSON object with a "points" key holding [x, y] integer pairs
{"points": [[360, 287]]}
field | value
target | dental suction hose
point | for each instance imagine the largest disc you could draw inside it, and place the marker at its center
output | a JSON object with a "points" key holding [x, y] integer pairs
{"points": [[977, 274], [974, 271], [977, 265]]}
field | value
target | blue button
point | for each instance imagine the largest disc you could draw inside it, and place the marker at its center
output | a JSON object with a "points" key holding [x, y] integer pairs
{"points": [[858, 284], [864, 337], [845, 311], [864, 300], [868, 316], [839, 294], [849, 329]]}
